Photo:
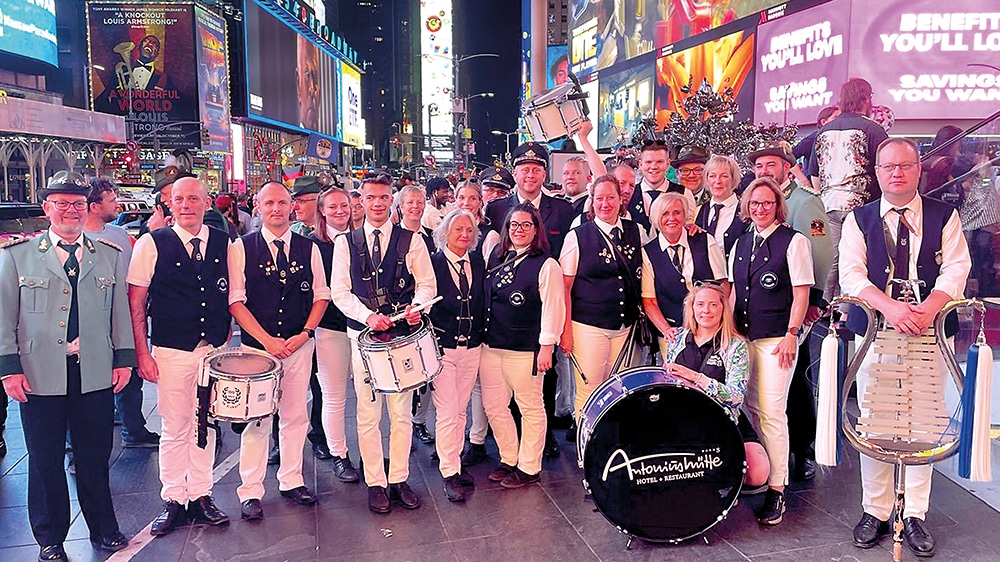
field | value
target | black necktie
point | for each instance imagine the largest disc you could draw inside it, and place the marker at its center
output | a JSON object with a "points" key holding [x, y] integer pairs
{"points": [[758, 242], [463, 287], [616, 237], [377, 249], [714, 221], [902, 262], [675, 258], [281, 260], [196, 253], [72, 267]]}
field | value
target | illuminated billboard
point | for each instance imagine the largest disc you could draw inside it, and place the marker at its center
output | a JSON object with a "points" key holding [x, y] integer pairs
{"points": [[213, 78], [28, 29], [437, 75], [291, 80], [625, 98], [352, 125]]}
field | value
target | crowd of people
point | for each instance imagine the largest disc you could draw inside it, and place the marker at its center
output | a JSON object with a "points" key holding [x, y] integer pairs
{"points": [[534, 282]]}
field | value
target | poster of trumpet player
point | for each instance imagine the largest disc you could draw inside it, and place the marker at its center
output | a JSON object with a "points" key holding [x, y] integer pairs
{"points": [[625, 98], [213, 79], [142, 60], [726, 62]]}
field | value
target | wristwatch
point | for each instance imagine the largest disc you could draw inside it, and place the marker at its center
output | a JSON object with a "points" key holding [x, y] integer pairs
{"points": [[795, 331], [309, 332]]}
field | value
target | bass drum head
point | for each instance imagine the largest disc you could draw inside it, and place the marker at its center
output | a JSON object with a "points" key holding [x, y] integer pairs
{"points": [[239, 362], [664, 463]]}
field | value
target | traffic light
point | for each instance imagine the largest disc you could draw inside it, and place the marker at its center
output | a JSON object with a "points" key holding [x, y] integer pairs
{"points": [[128, 158], [206, 139]]}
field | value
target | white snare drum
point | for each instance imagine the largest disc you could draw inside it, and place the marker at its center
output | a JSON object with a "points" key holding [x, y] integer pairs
{"points": [[244, 384], [401, 358], [551, 115]]}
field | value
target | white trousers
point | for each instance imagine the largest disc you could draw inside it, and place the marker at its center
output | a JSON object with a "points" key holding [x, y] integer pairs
{"points": [[333, 370], [370, 434], [480, 423], [293, 423], [452, 390], [185, 468], [596, 350], [502, 373], [766, 399], [878, 479]]}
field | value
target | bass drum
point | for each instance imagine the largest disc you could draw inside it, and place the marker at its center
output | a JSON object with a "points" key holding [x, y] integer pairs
{"points": [[663, 461]]}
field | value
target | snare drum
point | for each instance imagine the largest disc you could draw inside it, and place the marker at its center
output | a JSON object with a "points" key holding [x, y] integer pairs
{"points": [[401, 358], [551, 116], [244, 384], [662, 460]]}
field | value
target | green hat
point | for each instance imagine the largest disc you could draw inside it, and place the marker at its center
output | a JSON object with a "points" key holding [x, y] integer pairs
{"points": [[304, 185]]}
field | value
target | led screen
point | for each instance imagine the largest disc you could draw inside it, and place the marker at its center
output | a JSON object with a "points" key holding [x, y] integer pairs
{"points": [[28, 29]]}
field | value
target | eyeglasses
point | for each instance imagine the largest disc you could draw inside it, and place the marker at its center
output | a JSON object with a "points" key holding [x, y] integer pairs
{"points": [[65, 205], [654, 142], [692, 171], [766, 205], [904, 166], [522, 226]]}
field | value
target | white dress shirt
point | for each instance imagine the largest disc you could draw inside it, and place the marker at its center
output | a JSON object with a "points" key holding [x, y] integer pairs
{"points": [[716, 258], [238, 259], [145, 254], [569, 260], [798, 255]]}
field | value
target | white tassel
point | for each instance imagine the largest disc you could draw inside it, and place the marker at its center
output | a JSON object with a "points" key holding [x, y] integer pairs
{"points": [[827, 410], [981, 470]]}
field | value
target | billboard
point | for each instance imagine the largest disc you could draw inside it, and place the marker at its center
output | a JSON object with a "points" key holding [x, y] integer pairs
{"points": [[437, 74], [291, 80], [142, 67], [583, 47], [557, 62], [352, 126], [726, 62], [801, 63], [213, 78], [28, 29], [938, 62], [625, 97]]}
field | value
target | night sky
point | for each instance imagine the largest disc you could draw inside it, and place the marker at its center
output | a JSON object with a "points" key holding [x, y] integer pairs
{"points": [[490, 27]]}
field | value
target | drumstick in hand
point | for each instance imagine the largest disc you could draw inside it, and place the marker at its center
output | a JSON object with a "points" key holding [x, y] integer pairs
{"points": [[418, 308]]}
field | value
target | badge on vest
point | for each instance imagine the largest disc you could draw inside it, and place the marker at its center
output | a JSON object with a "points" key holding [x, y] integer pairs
{"points": [[304, 287], [402, 283], [939, 257], [222, 285], [517, 298], [817, 227], [714, 360], [769, 280]]}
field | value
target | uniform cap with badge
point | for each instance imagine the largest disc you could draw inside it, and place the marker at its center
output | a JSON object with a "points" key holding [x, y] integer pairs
{"points": [[531, 153], [497, 177]]}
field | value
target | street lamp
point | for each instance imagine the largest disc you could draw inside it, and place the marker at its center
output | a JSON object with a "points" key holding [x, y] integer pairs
{"points": [[460, 120], [508, 135]]}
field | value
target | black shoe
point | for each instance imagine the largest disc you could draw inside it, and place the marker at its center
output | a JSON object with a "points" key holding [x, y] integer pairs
{"points": [[251, 510], [551, 450], [404, 495], [422, 435], [518, 478], [805, 469], [571, 433], [171, 516], [869, 530], [111, 543], [474, 455], [501, 472], [148, 441], [466, 479], [322, 452], [773, 509], [300, 495], [920, 541], [274, 456], [453, 489], [344, 470], [52, 552], [203, 510], [378, 500]]}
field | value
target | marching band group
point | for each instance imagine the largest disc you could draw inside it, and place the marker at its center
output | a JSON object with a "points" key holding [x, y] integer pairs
{"points": [[729, 282]]}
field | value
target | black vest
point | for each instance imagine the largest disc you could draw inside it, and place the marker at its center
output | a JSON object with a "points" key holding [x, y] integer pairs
{"points": [[445, 314], [185, 306], [333, 318], [671, 288], [280, 308], [936, 215], [705, 360], [763, 286], [603, 294], [735, 230], [514, 305], [393, 287]]}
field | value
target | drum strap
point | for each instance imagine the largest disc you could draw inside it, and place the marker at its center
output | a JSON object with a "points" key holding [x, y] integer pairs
{"points": [[633, 286]]}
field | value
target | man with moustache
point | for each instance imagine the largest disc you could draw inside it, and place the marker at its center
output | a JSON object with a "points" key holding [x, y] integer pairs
{"points": [[278, 294], [65, 347], [388, 270], [179, 278]]}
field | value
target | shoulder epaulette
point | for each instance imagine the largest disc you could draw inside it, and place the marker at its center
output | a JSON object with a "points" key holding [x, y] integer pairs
{"points": [[14, 242], [111, 244]]}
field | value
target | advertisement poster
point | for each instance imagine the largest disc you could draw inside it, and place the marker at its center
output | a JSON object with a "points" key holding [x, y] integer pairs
{"points": [[352, 126], [437, 76], [939, 62], [291, 79], [801, 63], [624, 30], [557, 61], [625, 98], [213, 79], [726, 62], [583, 48], [147, 53], [28, 29]]}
